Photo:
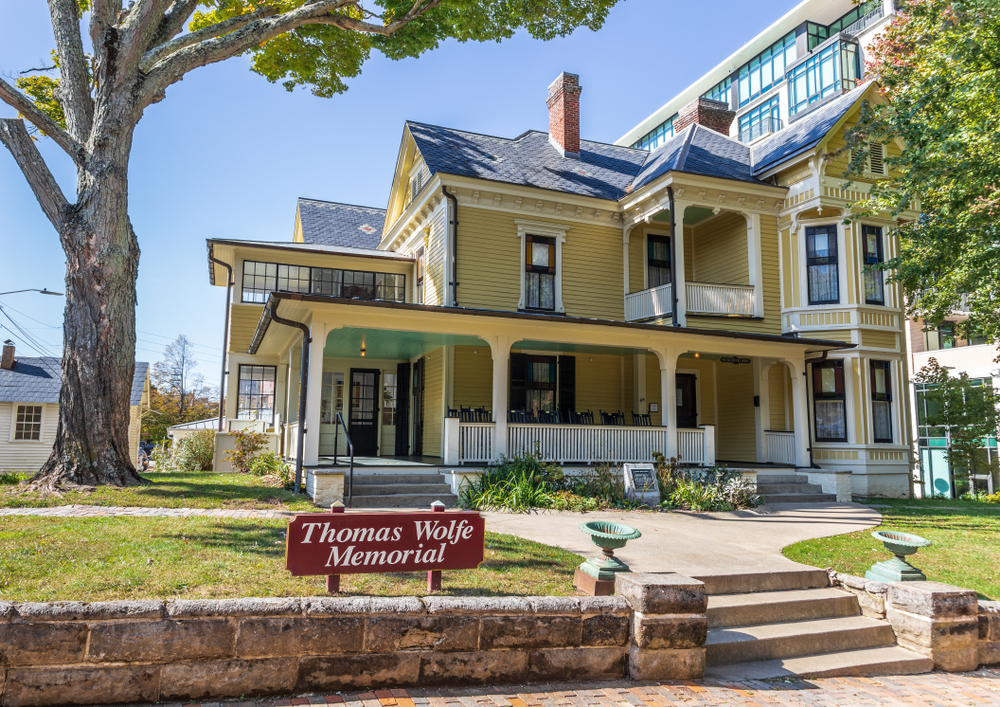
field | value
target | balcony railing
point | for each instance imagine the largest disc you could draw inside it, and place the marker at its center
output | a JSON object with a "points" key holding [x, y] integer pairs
{"points": [[711, 298], [766, 126], [780, 447], [859, 26], [649, 304]]}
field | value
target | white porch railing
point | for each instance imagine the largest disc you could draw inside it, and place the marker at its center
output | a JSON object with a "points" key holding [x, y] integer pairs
{"points": [[780, 447], [292, 440], [586, 444], [710, 298], [649, 304], [476, 442], [691, 446]]}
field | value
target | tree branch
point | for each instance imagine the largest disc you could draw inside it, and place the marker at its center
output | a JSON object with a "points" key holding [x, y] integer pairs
{"points": [[14, 98], [173, 22], [15, 137], [74, 83], [140, 25]]}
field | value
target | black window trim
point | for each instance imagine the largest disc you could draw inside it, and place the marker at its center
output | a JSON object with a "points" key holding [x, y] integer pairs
{"points": [[239, 378], [818, 396], [311, 279], [879, 258], [530, 238], [885, 397], [836, 262]]}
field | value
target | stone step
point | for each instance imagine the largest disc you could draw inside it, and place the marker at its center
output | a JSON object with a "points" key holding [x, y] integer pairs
{"points": [[793, 639], [774, 607], [781, 479], [866, 662], [800, 498], [402, 501], [764, 582], [393, 479], [769, 488], [401, 489]]}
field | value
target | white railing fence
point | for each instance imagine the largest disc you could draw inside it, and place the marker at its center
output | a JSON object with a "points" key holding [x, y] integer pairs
{"points": [[476, 441], [587, 444], [291, 440], [649, 304], [691, 446], [780, 447], [720, 299]]}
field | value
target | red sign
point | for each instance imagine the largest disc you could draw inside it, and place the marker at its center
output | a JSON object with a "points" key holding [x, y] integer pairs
{"points": [[354, 543]]}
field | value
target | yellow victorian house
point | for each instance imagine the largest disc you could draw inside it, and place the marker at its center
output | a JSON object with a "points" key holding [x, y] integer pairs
{"points": [[595, 302]]}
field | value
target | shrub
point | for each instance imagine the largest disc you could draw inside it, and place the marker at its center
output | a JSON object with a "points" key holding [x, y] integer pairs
{"points": [[993, 498], [513, 484], [9, 478], [248, 444], [716, 488], [604, 482], [163, 457], [196, 452]]}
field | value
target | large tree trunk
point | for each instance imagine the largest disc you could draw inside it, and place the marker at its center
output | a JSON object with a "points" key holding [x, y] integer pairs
{"points": [[102, 260]]}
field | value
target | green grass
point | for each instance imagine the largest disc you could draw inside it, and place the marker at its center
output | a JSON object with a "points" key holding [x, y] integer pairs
{"points": [[173, 490], [96, 559], [966, 549]]}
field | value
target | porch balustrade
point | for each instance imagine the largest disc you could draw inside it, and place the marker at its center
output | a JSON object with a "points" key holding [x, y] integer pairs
{"points": [[291, 440], [476, 441], [780, 447], [711, 298], [649, 304], [691, 446]]}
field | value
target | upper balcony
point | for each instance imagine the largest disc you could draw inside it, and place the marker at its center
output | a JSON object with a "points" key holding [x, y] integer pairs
{"points": [[702, 298]]}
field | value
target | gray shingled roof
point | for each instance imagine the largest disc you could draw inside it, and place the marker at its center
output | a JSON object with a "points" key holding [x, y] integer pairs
{"points": [[329, 223], [603, 171], [37, 380], [805, 133]]}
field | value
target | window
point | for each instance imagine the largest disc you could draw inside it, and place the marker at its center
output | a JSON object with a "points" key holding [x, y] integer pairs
{"points": [[881, 401], [261, 279], [874, 287], [293, 278], [331, 397], [828, 401], [820, 33], [389, 399], [765, 70], [657, 136], [943, 337], [256, 393], [419, 294], [540, 272], [28, 423], [823, 75], [762, 120], [540, 385], [821, 265], [657, 261], [720, 91]]}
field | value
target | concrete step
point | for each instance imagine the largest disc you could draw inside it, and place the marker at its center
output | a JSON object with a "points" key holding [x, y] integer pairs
{"points": [[866, 662], [800, 498], [394, 479], [764, 581], [781, 479], [401, 489], [402, 501], [769, 488], [774, 607], [794, 639]]}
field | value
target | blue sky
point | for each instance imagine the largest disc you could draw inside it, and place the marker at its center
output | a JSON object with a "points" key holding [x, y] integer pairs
{"points": [[226, 154]]}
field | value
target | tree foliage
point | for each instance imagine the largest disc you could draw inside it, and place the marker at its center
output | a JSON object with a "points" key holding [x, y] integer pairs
{"points": [[938, 66]]}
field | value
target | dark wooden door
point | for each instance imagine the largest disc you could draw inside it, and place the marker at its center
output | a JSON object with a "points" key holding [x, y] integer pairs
{"points": [[364, 411], [687, 403], [417, 445], [403, 409]]}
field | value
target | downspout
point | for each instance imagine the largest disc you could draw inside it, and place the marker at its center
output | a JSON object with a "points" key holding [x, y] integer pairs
{"points": [[809, 405], [453, 222], [225, 339], [673, 254], [303, 387]]}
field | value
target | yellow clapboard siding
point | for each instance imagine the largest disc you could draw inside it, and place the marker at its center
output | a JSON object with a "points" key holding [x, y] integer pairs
{"points": [[720, 249], [829, 335], [489, 259], [598, 383], [435, 279], [637, 260], [737, 436], [242, 325], [879, 339], [592, 284], [770, 275], [433, 402], [776, 396], [473, 377], [706, 386], [794, 174], [654, 392]]}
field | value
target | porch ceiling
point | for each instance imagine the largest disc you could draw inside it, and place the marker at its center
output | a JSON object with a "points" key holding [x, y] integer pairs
{"points": [[693, 215], [385, 344], [529, 345]]}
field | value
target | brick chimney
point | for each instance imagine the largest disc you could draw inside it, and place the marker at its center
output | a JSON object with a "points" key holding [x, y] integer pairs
{"points": [[564, 114], [707, 113], [7, 362]]}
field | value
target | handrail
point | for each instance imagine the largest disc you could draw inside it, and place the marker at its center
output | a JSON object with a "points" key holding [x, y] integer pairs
{"points": [[350, 448]]}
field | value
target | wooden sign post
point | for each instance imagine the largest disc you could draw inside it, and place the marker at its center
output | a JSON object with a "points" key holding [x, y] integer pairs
{"points": [[336, 543]]}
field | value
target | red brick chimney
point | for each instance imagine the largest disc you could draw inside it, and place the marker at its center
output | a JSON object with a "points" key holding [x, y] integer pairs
{"points": [[7, 362], [706, 112], [564, 114]]}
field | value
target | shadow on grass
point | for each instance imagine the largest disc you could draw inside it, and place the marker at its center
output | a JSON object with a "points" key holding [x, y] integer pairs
{"points": [[264, 541]]}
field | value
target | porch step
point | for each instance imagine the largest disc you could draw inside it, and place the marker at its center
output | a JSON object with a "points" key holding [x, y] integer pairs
{"points": [[396, 479], [781, 479], [866, 662], [774, 607], [747, 583], [769, 488], [400, 489], [799, 498], [402, 500]]}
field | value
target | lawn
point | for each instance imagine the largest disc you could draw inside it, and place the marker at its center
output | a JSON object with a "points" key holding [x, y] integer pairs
{"points": [[966, 549], [96, 559], [173, 490]]}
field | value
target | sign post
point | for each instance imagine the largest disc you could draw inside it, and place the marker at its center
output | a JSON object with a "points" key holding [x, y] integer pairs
{"points": [[434, 576]]}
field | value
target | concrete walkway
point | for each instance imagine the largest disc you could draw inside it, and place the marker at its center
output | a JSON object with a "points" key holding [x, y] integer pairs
{"points": [[697, 544]]}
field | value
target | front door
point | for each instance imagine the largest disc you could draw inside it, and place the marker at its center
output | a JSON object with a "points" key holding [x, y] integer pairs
{"points": [[364, 411], [687, 404]]}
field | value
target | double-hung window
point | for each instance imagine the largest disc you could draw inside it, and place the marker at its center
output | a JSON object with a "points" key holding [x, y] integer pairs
{"points": [[540, 385], [28, 423], [657, 261], [881, 401], [539, 272], [256, 393], [821, 265], [828, 401], [874, 286]]}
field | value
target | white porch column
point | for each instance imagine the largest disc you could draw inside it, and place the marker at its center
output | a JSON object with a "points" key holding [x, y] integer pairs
{"points": [[754, 260], [762, 411], [668, 397], [680, 287], [800, 410], [500, 348], [314, 391]]}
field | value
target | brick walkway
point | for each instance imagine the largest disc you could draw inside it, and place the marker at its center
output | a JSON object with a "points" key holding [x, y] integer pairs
{"points": [[79, 511], [931, 690]]}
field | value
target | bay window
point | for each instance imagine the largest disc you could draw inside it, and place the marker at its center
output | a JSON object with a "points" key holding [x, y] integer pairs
{"points": [[830, 410], [821, 265]]}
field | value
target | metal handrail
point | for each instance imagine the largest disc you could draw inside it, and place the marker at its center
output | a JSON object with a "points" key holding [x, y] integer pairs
{"points": [[339, 420]]}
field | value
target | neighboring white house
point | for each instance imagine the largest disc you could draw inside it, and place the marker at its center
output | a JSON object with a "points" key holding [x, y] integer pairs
{"points": [[29, 409]]}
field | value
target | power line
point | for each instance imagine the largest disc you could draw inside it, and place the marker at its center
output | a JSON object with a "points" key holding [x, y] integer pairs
{"points": [[29, 338]]}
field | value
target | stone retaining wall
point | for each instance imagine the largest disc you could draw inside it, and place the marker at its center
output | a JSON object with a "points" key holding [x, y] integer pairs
{"points": [[145, 651]]}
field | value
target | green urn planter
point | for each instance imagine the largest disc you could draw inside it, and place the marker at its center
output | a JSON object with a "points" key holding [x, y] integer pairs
{"points": [[609, 537], [897, 569]]}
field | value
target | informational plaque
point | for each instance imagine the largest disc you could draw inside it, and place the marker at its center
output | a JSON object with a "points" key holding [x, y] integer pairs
{"points": [[641, 483]]}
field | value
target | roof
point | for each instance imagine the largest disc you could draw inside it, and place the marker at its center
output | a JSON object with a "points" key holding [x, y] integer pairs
{"points": [[698, 150], [37, 380], [603, 171], [308, 248], [330, 223], [804, 133], [207, 424]]}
